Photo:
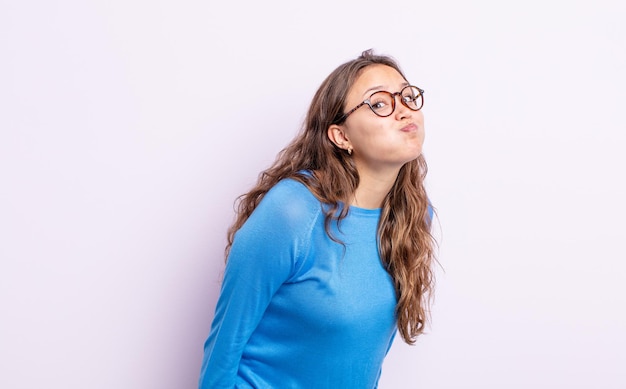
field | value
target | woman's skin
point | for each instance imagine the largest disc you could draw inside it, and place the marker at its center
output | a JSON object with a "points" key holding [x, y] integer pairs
{"points": [[380, 145]]}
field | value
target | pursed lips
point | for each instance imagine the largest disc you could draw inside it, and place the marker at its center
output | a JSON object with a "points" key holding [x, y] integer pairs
{"points": [[409, 128]]}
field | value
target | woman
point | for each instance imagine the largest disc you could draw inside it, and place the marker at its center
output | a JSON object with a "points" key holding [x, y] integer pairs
{"points": [[331, 251]]}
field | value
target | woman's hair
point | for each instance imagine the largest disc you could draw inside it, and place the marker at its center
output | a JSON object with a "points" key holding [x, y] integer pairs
{"points": [[406, 245]]}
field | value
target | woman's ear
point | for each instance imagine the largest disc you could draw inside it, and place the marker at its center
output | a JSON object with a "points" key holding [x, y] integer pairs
{"points": [[338, 136]]}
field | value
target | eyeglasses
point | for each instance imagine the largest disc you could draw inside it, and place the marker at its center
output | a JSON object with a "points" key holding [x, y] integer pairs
{"points": [[383, 103]]}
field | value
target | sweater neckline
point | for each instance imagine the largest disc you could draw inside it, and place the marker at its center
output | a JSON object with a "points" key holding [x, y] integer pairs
{"points": [[354, 210]]}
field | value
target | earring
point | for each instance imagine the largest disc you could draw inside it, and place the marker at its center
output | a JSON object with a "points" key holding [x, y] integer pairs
{"points": [[349, 150]]}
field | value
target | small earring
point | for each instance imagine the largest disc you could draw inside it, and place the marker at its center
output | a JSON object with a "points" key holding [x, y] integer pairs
{"points": [[349, 150]]}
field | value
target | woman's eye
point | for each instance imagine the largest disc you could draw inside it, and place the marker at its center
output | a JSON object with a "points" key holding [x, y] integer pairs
{"points": [[379, 104]]}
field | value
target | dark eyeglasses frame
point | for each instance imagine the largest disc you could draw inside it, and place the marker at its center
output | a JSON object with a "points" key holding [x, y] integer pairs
{"points": [[393, 103]]}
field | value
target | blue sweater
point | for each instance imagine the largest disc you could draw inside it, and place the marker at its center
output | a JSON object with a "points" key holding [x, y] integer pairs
{"points": [[295, 309]]}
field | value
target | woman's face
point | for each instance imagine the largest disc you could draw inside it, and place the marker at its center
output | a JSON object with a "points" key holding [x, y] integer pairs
{"points": [[380, 143]]}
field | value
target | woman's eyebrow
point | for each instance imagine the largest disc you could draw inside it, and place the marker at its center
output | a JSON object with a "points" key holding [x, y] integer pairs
{"points": [[380, 87], [374, 88]]}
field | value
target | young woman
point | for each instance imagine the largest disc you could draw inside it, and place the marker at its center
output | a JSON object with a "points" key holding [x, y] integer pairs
{"points": [[331, 252]]}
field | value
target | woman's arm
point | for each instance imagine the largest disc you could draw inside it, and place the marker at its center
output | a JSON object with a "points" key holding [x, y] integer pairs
{"points": [[263, 256]]}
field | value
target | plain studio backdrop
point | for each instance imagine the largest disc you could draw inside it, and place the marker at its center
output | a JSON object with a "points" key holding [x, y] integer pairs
{"points": [[128, 128]]}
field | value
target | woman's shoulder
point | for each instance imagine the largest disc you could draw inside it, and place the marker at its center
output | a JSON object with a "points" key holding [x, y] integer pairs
{"points": [[290, 202], [290, 187], [292, 193]]}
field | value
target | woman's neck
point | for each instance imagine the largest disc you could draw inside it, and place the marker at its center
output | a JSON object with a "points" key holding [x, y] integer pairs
{"points": [[372, 189]]}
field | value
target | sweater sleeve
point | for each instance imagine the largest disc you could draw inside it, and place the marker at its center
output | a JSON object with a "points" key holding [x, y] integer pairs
{"points": [[265, 253]]}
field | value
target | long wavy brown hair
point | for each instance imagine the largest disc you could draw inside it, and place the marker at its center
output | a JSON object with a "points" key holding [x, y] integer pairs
{"points": [[406, 245]]}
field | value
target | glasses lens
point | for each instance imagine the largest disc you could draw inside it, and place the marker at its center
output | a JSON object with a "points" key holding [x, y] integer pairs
{"points": [[412, 97], [382, 103]]}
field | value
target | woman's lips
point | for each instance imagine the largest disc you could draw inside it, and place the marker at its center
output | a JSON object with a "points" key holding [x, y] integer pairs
{"points": [[409, 128]]}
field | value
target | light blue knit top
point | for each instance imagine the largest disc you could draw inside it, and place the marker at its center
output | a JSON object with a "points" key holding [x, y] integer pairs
{"points": [[297, 310]]}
